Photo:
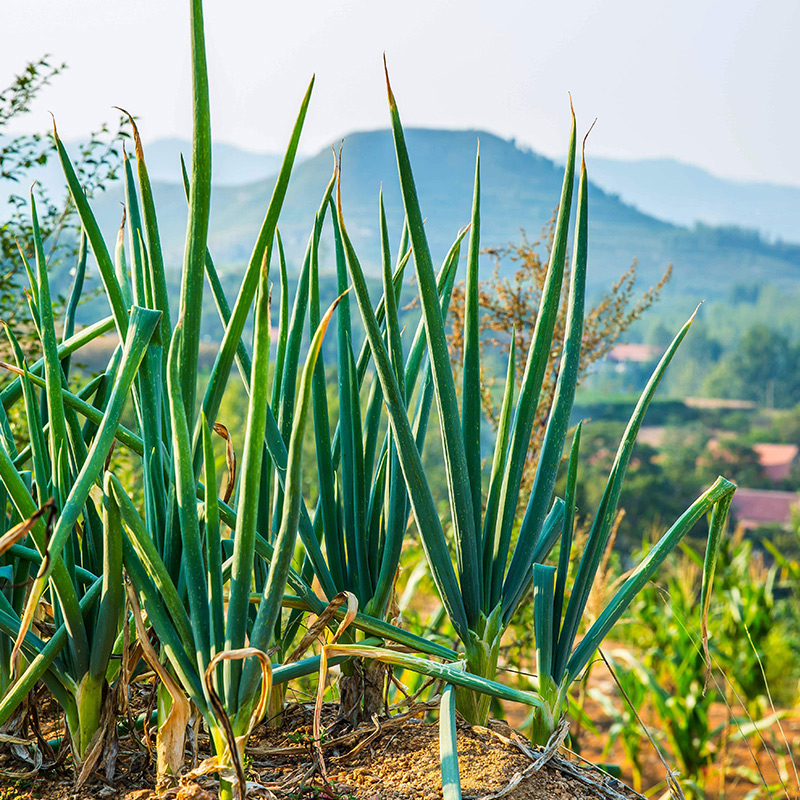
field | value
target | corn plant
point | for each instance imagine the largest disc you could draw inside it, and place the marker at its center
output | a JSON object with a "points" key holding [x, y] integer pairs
{"points": [[491, 576], [625, 713]]}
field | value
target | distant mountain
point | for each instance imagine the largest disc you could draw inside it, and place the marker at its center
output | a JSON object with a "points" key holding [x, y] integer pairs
{"points": [[519, 191], [231, 165], [684, 194]]}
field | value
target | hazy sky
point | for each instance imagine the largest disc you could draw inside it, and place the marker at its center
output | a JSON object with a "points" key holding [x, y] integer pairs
{"points": [[710, 83]]}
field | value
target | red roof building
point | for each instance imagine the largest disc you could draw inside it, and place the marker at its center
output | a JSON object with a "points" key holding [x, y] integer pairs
{"points": [[777, 460], [754, 508], [638, 353]]}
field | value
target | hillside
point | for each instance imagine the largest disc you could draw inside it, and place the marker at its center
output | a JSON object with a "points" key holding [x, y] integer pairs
{"points": [[519, 191], [685, 194], [233, 166]]}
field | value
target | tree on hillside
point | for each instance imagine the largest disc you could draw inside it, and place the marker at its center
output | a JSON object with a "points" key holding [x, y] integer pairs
{"points": [[763, 367], [21, 155], [511, 304]]}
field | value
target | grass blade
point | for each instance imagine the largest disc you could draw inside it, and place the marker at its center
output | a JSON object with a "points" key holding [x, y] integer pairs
{"points": [[566, 535], [142, 325], [74, 297], [450, 673], [42, 471], [395, 504], [224, 310], [270, 607], [148, 556], [52, 370], [193, 562], [327, 506], [95, 415], [603, 521], [294, 338], [233, 332], [104, 263], [498, 468], [718, 498], [543, 619], [213, 544], [283, 327], [42, 662], [152, 237], [719, 516], [162, 622], [247, 514], [199, 210], [11, 394], [120, 263], [134, 233]]}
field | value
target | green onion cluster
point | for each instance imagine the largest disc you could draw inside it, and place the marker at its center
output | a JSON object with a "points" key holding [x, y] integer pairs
{"points": [[211, 579]]}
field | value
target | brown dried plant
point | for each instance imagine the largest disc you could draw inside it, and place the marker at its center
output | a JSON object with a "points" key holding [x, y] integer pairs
{"points": [[510, 301]]}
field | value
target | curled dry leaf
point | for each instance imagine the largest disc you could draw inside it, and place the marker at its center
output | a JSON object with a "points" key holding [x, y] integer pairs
{"points": [[19, 532], [235, 747], [171, 736], [230, 460], [20, 747], [352, 609], [322, 621]]}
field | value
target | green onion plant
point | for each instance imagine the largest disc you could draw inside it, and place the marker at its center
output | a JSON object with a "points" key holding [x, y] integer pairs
{"points": [[497, 557], [211, 575]]}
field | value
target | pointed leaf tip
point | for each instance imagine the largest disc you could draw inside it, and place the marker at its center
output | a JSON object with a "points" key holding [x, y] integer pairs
{"points": [[583, 143], [339, 180], [137, 140], [392, 103], [691, 319], [325, 321]]}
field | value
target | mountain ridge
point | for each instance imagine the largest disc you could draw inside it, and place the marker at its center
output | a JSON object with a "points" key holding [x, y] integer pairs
{"points": [[665, 188], [686, 194], [520, 190]]}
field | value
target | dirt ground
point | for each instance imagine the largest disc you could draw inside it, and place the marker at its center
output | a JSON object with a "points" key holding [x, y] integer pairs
{"points": [[395, 759]]}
